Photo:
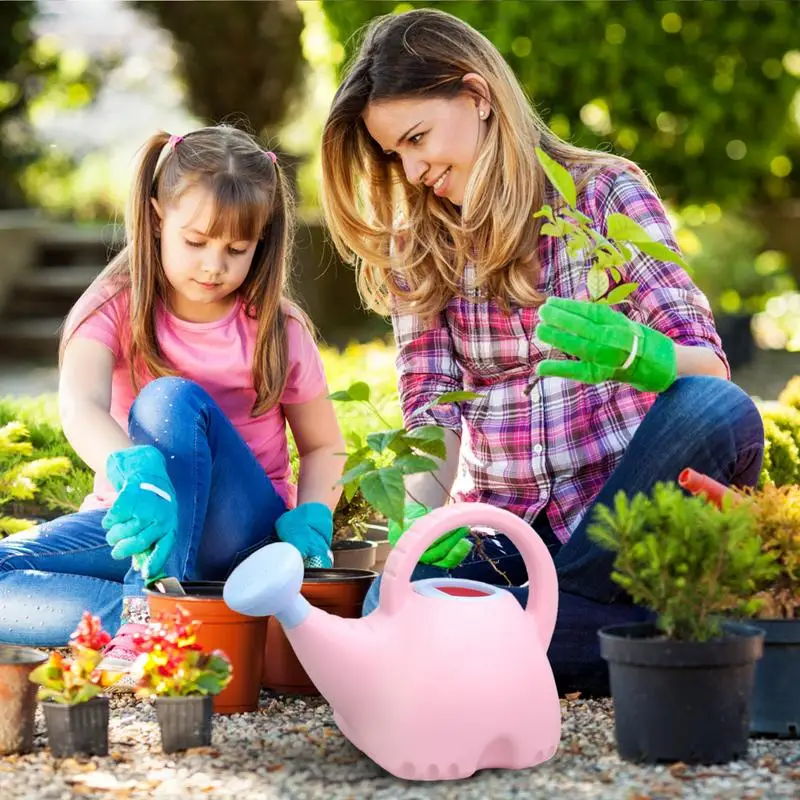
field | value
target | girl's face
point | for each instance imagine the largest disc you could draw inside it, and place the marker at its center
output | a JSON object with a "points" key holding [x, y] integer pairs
{"points": [[436, 139], [203, 273]]}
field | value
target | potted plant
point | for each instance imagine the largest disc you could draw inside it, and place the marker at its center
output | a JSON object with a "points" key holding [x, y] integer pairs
{"points": [[776, 701], [682, 685], [75, 712], [352, 549], [182, 677]]}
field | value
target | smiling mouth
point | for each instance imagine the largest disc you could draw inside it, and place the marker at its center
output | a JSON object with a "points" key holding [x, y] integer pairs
{"points": [[439, 182], [207, 285]]}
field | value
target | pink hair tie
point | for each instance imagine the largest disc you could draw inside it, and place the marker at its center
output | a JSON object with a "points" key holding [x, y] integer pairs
{"points": [[272, 157], [174, 141]]}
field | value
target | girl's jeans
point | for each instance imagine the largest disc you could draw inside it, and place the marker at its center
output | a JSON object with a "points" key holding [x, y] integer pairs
{"points": [[701, 422], [227, 509]]}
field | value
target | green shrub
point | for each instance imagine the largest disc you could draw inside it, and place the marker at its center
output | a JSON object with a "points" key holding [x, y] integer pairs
{"points": [[790, 396], [684, 558]]}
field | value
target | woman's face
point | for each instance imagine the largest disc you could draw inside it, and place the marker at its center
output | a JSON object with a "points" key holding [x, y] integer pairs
{"points": [[436, 139]]}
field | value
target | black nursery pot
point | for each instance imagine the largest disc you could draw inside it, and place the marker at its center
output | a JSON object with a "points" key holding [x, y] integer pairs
{"points": [[184, 722], [681, 701], [776, 700], [80, 728]]}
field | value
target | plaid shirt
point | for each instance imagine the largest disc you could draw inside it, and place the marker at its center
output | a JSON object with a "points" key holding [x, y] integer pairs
{"points": [[557, 447]]}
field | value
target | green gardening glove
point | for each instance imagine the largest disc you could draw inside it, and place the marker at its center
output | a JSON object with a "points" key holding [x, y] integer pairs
{"points": [[447, 551], [609, 346]]}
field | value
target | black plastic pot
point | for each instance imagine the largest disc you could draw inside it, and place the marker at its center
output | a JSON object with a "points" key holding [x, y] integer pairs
{"points": [[776, 699], [80, 728], [681, 701], [184, 722]]}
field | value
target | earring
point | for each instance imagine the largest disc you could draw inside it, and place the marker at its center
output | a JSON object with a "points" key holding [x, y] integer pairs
{"points": [[482, 115]]}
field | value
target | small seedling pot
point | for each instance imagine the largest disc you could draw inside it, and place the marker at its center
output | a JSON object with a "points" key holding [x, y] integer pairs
{"points": [[184, 722], [354, 554], [681, 701], [77, 729]]}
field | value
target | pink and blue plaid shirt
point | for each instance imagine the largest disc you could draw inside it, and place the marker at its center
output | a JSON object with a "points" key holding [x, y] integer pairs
{"points": [[558, 446]]}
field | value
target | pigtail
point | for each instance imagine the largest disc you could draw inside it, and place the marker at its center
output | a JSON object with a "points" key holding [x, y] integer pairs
{"points": [[143, 255]]}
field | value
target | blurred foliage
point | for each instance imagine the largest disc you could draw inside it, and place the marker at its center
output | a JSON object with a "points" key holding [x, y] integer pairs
{"points": [[729, 261], [35, 74], [239, 59], [703, 95]]}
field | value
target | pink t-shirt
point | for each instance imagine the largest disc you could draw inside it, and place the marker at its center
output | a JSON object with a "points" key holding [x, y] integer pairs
{"points": [[218, 356]]}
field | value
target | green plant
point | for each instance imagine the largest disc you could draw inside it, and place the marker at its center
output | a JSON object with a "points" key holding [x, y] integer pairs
{"points": [[781, 455], [604, 255], [21, 477], [173, 663], [683, 558], [790, 396], [377, 464], [777, 515], [70, 681]]}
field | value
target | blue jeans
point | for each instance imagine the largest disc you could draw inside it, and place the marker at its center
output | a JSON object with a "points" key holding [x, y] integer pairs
{"points": [[701, 422], [227, 509]]}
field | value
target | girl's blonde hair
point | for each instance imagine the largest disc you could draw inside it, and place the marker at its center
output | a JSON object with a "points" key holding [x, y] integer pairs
{"points": [[370, 206], [251, 201]]}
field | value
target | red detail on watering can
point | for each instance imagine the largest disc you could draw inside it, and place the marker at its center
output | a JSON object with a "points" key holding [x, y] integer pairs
{"points": [[699, 484]]}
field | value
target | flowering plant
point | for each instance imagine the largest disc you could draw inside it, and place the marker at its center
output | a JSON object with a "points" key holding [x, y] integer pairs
{"points": [[173, 663], [74, 680]]}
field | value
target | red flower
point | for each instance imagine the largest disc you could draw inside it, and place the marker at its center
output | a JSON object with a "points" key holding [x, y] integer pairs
{"points": [[89, 633]]}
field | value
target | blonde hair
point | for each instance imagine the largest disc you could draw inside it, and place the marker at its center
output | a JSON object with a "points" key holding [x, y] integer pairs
{"points": [[251, 201], [370, 206]]}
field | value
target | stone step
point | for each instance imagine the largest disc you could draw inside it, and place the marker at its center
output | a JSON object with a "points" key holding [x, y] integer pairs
{"points": [[30, 339], [79, 245], [49, 291]]}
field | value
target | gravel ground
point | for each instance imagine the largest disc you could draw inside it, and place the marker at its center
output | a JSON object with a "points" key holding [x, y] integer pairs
{"points": [[291, 748]]}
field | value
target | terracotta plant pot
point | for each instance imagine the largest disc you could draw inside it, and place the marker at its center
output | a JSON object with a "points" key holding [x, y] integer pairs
{"points": [[337, 591], [241, 638], [380, 535], [17, 697], [354, 554]]}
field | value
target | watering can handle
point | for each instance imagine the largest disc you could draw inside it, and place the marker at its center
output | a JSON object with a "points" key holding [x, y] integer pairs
{"points": [[542, 580]]}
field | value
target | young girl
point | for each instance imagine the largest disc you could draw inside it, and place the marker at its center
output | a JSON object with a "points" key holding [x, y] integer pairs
{"points": [[430, 183], [180, 366]]}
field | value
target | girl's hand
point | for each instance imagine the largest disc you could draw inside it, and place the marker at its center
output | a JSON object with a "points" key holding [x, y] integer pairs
{"points": [[609, 346], [143, 521], [447, 552], [309, 527]]}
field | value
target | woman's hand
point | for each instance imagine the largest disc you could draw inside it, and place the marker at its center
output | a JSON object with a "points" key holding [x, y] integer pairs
{"points": [[609, 346]]}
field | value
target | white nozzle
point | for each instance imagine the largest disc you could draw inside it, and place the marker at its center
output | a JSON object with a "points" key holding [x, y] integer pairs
{"points": [[267, 583]]}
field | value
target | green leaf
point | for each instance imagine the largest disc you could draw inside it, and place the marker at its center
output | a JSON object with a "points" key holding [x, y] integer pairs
{"points": [[384, 490], [621, 292], [411, 463], [451, 397], [359, 391], [353, 474], [382, 439], [662, 253], [597, 283], [558, 176], [429, 439], [342, 396], [624, 229], [545, 211], [549, 229]]}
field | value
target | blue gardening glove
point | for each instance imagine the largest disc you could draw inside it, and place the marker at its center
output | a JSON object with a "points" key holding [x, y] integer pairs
{"points": [[143, 521], [447, 551], [309, 527]]}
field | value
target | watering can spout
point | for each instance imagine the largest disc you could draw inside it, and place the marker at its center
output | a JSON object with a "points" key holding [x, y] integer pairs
{"points": [[268, 583]]}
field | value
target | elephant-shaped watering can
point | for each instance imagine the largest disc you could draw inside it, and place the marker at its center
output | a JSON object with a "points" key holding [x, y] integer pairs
{"points": [[447, 676]]}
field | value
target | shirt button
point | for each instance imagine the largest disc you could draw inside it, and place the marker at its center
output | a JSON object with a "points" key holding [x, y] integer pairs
{"points": [[538, 449]]}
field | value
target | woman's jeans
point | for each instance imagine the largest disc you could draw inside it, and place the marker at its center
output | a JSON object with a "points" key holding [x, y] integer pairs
{"points": [[227, 509], [701, 422]]}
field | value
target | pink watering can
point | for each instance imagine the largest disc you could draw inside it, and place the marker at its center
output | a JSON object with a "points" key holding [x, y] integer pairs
{"points": [[446, 676]]}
